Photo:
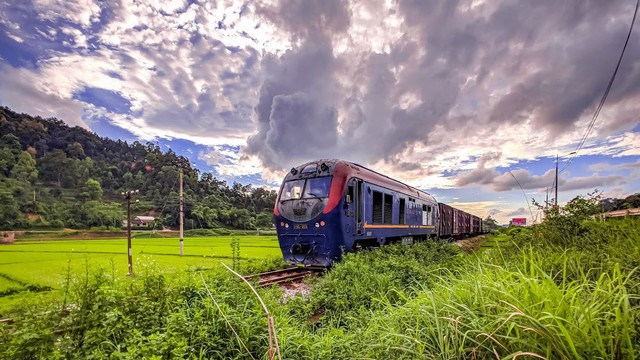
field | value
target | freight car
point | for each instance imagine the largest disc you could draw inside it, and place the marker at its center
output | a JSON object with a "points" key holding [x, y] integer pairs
{"points": [[455, 223], [327, 207]]}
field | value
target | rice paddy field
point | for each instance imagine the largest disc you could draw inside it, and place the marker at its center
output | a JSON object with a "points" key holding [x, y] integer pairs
{"points": [[29, 267]]}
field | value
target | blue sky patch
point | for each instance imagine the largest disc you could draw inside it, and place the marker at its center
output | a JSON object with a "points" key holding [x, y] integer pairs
{"points": [[107, 99], [103, 127]]}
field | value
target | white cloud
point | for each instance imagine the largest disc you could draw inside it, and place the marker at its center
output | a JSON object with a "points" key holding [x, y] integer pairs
{"points": [[82, 12], [17, 89], [16, 38], [597, 167], [479, 208]]}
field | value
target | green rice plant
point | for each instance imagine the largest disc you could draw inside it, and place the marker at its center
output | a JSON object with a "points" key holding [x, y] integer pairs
{"points": [[235, 252]]}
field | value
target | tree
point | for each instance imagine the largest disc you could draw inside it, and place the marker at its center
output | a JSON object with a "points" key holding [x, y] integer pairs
{"points": [[25, 168], [630, 202], [11, 142], [76, 151], [8, 211], [53, 166], [489, 223], [609, 204], [7, 160], [264, 220], [206, 216], [582, 207], [78, 172], [9, 151], [565, 225], [92, 190]]}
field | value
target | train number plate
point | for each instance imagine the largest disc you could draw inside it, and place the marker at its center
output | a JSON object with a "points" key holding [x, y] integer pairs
{"points": [[300, 226], [407, 240]]}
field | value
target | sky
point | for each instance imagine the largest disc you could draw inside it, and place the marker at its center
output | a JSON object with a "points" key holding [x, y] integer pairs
{"points": [[463, 99]]}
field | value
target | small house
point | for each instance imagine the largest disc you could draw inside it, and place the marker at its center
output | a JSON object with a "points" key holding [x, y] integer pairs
{"points": [[139, 222]]}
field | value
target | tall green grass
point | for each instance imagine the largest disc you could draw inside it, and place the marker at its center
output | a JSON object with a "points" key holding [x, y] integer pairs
{"points": [[497, 311]]}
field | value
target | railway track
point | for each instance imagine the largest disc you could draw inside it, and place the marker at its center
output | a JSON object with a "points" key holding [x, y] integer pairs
{"points": [[289, 275]]}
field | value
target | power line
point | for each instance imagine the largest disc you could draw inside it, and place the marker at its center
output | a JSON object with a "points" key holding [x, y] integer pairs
{"points": [[523, 193], [165, 203], [606, 93]]}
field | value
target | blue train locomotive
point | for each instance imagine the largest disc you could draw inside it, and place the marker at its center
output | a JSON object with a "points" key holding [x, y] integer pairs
{"points": [[326, 207]]}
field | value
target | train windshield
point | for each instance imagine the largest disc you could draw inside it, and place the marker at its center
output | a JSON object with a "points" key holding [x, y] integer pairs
{"points": [[317, 187], [304, 199], [292, 190], [313, 188]]}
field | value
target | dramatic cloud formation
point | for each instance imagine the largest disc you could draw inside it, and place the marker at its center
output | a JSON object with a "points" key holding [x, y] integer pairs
{"points": [[495, 75]]}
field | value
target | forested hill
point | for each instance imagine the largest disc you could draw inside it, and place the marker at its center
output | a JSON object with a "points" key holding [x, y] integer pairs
{"points": [[53, 175]]}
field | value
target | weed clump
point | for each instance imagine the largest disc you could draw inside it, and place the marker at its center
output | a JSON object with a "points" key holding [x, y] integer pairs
{"points": [[376, 279]]}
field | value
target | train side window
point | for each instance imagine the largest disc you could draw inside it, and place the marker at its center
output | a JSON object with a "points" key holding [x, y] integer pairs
{"points": [[388, 209], [359, 201], [377, 207], [402, 209], [348, 198]]}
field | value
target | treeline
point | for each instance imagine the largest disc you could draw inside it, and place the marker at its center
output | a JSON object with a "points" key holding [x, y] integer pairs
{"points": [[53, 175], [630, 202]]}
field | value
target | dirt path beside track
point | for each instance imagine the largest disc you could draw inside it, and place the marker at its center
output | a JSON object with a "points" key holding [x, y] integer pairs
{"points": [[471, 244]]}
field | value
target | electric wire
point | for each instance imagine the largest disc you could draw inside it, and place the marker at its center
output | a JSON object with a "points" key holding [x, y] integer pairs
{"points": [[165, 203], [523, 193], [602, 100], [606, 93]]}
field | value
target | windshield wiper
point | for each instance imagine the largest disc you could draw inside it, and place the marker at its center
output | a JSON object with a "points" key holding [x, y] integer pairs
{"points": [[316, 196], [285, 200]]}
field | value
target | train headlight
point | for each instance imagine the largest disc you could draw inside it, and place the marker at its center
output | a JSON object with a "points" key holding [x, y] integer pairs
{"points": [[286, 226], [317, 225]]}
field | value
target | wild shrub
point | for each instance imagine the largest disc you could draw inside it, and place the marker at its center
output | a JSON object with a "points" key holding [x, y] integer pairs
{"points": [[566, 225], [370, 280], [256, 266]]}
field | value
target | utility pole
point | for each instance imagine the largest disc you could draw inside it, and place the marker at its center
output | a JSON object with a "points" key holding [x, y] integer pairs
{"points": [[127, 195], [546, 203], [557, 159], [556, 198], [181, 216]]}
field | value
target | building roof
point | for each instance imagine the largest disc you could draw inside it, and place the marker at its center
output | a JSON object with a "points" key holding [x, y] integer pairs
{"points": [[144, 218]]}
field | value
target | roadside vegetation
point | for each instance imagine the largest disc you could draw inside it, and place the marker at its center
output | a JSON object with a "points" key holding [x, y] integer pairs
{"points": [[565, 289]]}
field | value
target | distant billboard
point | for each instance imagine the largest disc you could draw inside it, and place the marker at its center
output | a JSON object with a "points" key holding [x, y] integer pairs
{"points": [[519, 222]]}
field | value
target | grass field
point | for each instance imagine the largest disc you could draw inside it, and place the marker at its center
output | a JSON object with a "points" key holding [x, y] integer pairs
{"points": [[31, 265]]}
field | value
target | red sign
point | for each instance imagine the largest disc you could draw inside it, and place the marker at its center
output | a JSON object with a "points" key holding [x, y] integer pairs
{"points": [[519, 222]]}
